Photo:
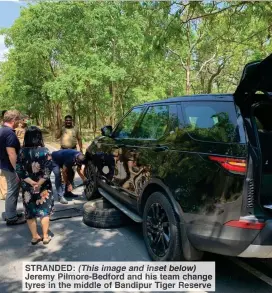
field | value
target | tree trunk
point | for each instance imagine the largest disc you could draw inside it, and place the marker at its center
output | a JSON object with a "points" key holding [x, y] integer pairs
{"points": [[103, 118], [79, 122], [51, 119], [170, 91], [37, 120], [121, 104], [113, 88], [213, 76], [58, 114], [94, 119], [188, 82], [89, 121], [43, 121], [113, 94], [74, 110]]}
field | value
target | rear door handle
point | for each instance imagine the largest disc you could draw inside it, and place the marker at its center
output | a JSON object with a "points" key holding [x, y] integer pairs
{"points": [[160, 148]]}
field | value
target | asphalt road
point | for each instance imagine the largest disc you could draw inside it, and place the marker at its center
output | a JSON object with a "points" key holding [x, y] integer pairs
{"points": [[74, 241]]}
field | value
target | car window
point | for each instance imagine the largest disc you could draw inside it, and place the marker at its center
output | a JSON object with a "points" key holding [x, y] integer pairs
{"points": [[211, 121], [126, 126], [154, 123], [173, 118]]}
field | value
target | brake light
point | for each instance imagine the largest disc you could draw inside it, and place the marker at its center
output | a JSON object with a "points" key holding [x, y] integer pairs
{"points": [[230, 164], [245, 224]]}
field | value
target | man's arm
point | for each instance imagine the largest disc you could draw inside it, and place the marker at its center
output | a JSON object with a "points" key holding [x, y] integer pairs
{"points": [[59, 133], [30, 181], [80, 171], [12, 156], [79, 140]]}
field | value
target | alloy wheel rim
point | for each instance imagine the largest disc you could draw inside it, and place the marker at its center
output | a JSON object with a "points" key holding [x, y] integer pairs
{"points": [[158, 230]]}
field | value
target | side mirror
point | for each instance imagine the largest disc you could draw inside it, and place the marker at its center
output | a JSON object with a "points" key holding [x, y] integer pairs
{"points": [[106, 130]]}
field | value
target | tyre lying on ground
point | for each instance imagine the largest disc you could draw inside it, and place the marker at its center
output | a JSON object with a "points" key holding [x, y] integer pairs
{"points": [[100, 213]]}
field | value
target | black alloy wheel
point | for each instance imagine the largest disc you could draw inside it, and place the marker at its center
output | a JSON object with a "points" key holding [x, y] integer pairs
{"points": [[161, 229], [91, 189], [158, 229]]}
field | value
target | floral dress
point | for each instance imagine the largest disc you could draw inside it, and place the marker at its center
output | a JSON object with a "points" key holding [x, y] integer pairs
{"points": [[36, 163]]}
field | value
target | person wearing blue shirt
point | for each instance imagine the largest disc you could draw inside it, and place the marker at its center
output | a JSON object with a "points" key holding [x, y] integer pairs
{"points": [[9, 149], [67, 159], [3, 181]]}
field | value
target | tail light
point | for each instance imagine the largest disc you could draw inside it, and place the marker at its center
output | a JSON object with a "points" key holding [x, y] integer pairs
{"points": [[230, 164], [245, 224]]}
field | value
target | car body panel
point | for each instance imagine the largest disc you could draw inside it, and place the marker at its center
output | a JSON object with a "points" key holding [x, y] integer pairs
{"points": [[256, 77], [184, 167], [204, 195]]}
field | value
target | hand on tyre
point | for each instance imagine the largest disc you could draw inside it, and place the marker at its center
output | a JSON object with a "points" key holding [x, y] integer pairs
{"points": [[69, 188], [86, 182]]}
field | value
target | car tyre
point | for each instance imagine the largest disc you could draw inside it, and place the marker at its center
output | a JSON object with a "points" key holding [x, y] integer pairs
{"points": [[100, 213], [161, 229], [91, 189]]}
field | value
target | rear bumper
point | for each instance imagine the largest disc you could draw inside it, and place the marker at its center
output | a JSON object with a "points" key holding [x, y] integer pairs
{"points": [[257, 251], [261, 247], [233, 241]]}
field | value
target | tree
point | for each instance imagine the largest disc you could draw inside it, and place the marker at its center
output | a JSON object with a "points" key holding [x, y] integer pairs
{"points": [[96, 60]]}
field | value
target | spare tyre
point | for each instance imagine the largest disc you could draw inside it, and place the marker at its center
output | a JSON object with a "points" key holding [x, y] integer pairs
{"points": [[100, 213]]}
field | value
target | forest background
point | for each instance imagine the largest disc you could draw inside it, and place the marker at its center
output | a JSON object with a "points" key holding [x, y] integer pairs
{"points": [[95, 60]]}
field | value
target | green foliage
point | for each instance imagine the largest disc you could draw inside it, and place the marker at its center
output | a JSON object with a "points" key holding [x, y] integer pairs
{"points": [[97, 59]]}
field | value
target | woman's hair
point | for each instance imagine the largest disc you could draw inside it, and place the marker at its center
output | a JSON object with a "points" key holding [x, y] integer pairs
{"points": [[33, 137]]}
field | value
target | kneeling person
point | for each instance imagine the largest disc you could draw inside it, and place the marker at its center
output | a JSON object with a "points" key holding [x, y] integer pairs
{"points": [[66, 160]]}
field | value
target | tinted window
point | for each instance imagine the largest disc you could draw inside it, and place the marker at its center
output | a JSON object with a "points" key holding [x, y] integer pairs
{"points": [[154, 123], [211, 121], [127, 125], [173, 118]]}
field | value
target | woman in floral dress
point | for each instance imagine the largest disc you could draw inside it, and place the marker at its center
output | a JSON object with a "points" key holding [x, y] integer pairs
{"points": [[34, 167]]}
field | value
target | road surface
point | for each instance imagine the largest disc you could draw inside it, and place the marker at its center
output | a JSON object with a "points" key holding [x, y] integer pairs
{"points": [[74, 241]]}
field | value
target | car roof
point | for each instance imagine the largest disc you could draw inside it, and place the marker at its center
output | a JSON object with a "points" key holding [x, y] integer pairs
{"points": [[203, 97]]}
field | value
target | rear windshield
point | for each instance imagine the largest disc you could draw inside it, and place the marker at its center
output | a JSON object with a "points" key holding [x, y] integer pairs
{"points": [[212, 121]]}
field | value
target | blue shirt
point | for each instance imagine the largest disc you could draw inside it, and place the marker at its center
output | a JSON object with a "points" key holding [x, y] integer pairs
{"points": [[65, 157], [8, 139]]}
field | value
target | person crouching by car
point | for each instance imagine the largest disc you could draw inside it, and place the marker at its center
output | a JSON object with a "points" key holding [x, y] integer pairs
{"points": [[66, 160]]}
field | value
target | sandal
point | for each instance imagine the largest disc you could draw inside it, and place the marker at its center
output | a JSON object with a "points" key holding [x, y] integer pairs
{"points": [[47, 240], [35, 241]]}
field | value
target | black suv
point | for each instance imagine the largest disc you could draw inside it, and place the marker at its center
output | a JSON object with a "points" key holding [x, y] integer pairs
{"points": [[195, 170]]}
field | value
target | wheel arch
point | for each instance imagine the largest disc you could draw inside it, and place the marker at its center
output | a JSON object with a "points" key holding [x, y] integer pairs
{"points": [[189, 252], [157, 185]]}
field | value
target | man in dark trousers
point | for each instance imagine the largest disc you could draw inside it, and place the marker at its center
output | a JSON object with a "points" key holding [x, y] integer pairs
{"points": [[9, 148], [3, 181], [66, 160]]}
